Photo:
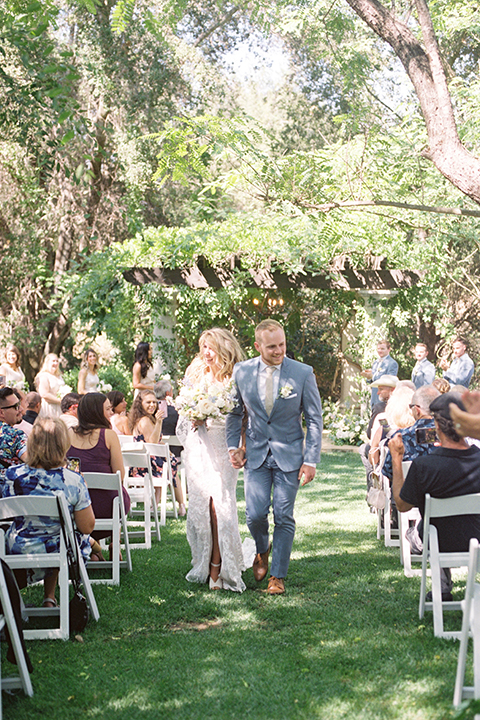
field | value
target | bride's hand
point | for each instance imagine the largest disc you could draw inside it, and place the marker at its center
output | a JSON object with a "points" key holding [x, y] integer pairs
{"points": [[237, 458], [197, 423]]}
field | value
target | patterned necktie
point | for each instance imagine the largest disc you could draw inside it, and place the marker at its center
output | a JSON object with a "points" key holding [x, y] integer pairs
{"points": [[269, 389]]}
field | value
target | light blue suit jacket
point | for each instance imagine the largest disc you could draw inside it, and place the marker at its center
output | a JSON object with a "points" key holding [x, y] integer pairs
{"points": [[282, 431], [460, 371], [382, 366], [423, 373]]}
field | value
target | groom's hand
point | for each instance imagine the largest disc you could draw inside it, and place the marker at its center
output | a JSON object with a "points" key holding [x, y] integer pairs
{"points": [[237, 458], [308, 472]]}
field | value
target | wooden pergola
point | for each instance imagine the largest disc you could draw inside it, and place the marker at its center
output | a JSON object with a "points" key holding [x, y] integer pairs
{"points": [[341, 276]]}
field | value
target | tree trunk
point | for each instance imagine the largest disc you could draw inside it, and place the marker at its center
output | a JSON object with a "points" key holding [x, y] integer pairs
{"points": [[425, 69]]}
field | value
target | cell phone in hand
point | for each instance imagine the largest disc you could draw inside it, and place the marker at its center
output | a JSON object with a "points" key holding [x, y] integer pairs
{"points": [[425, 436], [73, 464]]}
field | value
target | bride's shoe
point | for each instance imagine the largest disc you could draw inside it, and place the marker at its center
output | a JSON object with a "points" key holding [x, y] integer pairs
{"points": [[215, 584]]}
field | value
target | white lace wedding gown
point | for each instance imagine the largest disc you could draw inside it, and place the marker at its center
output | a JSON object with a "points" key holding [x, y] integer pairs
{"points": [[210, 475]]}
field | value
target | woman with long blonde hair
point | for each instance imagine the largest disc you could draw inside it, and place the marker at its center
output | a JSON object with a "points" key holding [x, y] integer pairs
{"points": [[212, 521], [48, 382]]}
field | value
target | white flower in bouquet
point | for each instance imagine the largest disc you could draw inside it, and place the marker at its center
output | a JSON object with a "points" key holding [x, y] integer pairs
{"points": [[210, 400], [63, 390], [104, 387]]}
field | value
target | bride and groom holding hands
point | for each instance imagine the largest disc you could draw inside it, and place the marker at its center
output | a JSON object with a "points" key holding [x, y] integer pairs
{"points": [[263, 434]]}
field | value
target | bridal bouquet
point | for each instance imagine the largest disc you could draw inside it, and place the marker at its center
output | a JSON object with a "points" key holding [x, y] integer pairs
{"points": [[201, 402]]}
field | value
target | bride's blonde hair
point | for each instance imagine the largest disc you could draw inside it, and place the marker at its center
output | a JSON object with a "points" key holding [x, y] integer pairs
{"points": [[228, 353]]}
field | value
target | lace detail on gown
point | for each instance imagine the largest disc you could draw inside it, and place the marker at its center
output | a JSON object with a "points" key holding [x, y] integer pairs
{"points": [[210, 474]]}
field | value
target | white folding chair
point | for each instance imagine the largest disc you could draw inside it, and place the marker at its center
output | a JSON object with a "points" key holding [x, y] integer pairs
{"points": [[391, 537], [140, 490], [41, 506], [437, 508], [404, 520], [116, 525], [165, 482], [22, 680], [173, 442], [125, 439], [470, 627]]}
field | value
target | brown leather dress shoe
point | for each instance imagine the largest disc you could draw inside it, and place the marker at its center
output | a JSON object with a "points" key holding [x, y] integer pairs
{"points": [[260, 565], [276, 586]]}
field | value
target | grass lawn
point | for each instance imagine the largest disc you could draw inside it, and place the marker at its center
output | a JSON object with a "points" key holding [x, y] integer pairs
{"points": [[345, 640]]}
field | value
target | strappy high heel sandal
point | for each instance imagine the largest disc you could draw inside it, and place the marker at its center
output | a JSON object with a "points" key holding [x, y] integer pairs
{"points": [[218, 583]]}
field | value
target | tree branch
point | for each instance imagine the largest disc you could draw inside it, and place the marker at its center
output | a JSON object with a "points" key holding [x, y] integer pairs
{"points": [[215, 26]]}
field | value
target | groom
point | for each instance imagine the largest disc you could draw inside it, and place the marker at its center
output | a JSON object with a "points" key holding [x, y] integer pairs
{"points": [[274, 391]]}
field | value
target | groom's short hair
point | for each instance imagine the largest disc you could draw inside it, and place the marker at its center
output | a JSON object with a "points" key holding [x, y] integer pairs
{"points": [[266, 325]]}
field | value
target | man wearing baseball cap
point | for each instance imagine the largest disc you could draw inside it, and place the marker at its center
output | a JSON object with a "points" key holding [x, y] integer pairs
{"points": [[452, 469]]}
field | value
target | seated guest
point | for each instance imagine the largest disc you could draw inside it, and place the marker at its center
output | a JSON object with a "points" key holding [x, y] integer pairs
{"points": [[442, 385], [69, 406], [398, 415], [164, 393], [119, 418], [448, 471], [97, 448], [467, 424], [385, 386], [22, 424], [13, 442], [146, 423], [424, 371], [33, 402], [46, 474], [420, 406]]}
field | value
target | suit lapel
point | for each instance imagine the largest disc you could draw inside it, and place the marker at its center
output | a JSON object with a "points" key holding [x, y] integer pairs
{"points": [[256, 395]]}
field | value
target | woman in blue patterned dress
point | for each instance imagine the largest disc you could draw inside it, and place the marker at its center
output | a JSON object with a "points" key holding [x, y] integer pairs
{"points": [[46, 474]]}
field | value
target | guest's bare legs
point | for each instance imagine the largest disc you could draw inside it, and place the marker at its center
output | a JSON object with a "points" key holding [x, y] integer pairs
{"points": [[49, 585]]}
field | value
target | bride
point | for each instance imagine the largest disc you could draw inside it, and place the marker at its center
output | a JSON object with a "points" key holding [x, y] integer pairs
{"points": [[212, 521]]}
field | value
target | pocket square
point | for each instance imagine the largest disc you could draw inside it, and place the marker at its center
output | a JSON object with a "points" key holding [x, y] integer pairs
{"points": [[289, 397]]}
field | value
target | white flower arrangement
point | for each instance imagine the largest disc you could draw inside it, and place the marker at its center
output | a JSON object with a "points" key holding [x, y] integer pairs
{"points": [[104, 387], [345, 426], [212, 400], [285, 391]]}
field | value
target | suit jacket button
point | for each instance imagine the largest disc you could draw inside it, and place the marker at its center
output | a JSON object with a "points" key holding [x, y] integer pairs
{"points": [[268, 422]]}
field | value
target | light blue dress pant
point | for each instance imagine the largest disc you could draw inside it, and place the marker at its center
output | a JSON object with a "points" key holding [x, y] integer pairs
{"points": [[258, 496]]}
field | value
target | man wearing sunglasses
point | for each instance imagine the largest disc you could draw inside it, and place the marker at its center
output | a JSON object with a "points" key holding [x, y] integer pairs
{"points": [[13, 442]]}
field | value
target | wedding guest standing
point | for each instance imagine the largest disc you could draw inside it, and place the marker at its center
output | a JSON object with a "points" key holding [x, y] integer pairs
{"points": [[87, 377], [385, 365], [424, 371], [212, 521], [13, 374], [143, 375], [460, 370], [48, 382]]}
